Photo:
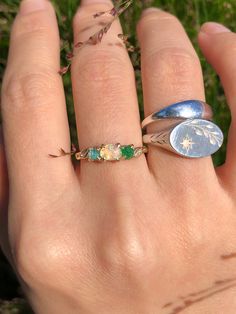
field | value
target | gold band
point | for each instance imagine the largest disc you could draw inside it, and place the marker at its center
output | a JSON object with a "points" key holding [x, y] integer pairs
{"points": [[108, 152]]}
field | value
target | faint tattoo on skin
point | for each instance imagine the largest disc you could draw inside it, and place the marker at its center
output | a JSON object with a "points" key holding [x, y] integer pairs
{"points": [[218, 286], [228, 256]]}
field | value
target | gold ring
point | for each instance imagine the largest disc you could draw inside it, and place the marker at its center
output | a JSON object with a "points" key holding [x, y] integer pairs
{"points": [[106, 152], [111, 152]]}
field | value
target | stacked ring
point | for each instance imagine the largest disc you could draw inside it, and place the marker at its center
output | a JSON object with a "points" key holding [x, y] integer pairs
{"points": [[188, 109], [194, 136], [189, 133]]}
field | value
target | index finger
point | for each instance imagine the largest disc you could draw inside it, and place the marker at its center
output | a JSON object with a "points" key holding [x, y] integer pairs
{"points": [[33, 103]]}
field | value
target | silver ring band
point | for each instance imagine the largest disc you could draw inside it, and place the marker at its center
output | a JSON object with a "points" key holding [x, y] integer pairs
{"points": [[193, 138], [188, 109]]}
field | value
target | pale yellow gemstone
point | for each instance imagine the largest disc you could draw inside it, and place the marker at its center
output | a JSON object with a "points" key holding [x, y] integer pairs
{"points": [[110, 152]]}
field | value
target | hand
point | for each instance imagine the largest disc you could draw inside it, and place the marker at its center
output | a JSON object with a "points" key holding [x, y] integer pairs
{"points": [[154, 235]]}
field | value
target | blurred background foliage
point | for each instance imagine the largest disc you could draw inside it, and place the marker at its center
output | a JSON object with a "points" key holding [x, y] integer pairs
{"points": [[192, 13]]}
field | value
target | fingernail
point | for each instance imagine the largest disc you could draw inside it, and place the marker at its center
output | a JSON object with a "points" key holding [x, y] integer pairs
{"points": [[29, 6], [150, 10], [214, 28]]}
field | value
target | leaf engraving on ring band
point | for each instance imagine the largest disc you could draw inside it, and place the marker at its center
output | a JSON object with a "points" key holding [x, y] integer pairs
{"points": [[205, 130], [160, 138]]}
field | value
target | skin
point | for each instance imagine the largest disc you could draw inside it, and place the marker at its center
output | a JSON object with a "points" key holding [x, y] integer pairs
{"points": [[151, 235]]}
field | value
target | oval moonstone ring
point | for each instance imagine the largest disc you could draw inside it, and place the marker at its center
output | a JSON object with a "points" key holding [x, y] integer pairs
{"points": [[193, 138]]}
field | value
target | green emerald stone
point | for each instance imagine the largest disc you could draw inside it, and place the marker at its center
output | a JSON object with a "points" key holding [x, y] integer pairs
{"points": [[93, 154], [127, 152]]}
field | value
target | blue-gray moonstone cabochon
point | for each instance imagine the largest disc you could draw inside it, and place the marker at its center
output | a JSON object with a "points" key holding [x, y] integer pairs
{"points": [[196, 138]]}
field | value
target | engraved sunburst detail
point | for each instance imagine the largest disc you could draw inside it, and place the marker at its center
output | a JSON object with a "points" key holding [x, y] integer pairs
{"points": [[187, 143]]}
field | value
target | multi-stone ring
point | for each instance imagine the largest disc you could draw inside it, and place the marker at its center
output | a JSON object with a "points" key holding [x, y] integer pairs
{"points": [[111, 152], [108, 152]]}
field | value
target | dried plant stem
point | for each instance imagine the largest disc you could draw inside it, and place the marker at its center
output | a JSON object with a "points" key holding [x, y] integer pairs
{"points": [[96, 38]]}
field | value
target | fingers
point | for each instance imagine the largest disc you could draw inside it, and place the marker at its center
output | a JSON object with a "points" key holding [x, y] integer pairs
{"points": [[33, 105], [171, 72], [218, 44], [103, 84]]}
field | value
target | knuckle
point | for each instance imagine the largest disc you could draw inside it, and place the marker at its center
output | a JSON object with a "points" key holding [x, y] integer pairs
{"points": [[31, 259], [128, 249], [50, 259], [123, 256], [80, 20], [105, 74], [173, 60], [31, 24], [155, 15], [29, 91], [226, 43], [224, 59], [129, 258], [47, 261], [175, 64], [102, 66], [35, 22]]}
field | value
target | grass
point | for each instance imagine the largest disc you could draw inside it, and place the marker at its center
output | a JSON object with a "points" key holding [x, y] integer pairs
{"points": [[192, 13]]}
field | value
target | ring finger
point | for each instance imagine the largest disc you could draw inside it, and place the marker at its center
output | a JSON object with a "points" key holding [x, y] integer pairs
{"points": [[171, 72]]}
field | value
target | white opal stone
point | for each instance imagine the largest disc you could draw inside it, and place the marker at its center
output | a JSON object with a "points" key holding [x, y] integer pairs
{"points": [[110, 152]]}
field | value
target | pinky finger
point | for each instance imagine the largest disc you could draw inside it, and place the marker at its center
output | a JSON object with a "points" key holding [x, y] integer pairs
{"points": [[218, 44]]}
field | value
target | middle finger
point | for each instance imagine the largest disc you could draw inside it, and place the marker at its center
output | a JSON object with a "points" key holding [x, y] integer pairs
{"points": [[104, 87]]}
